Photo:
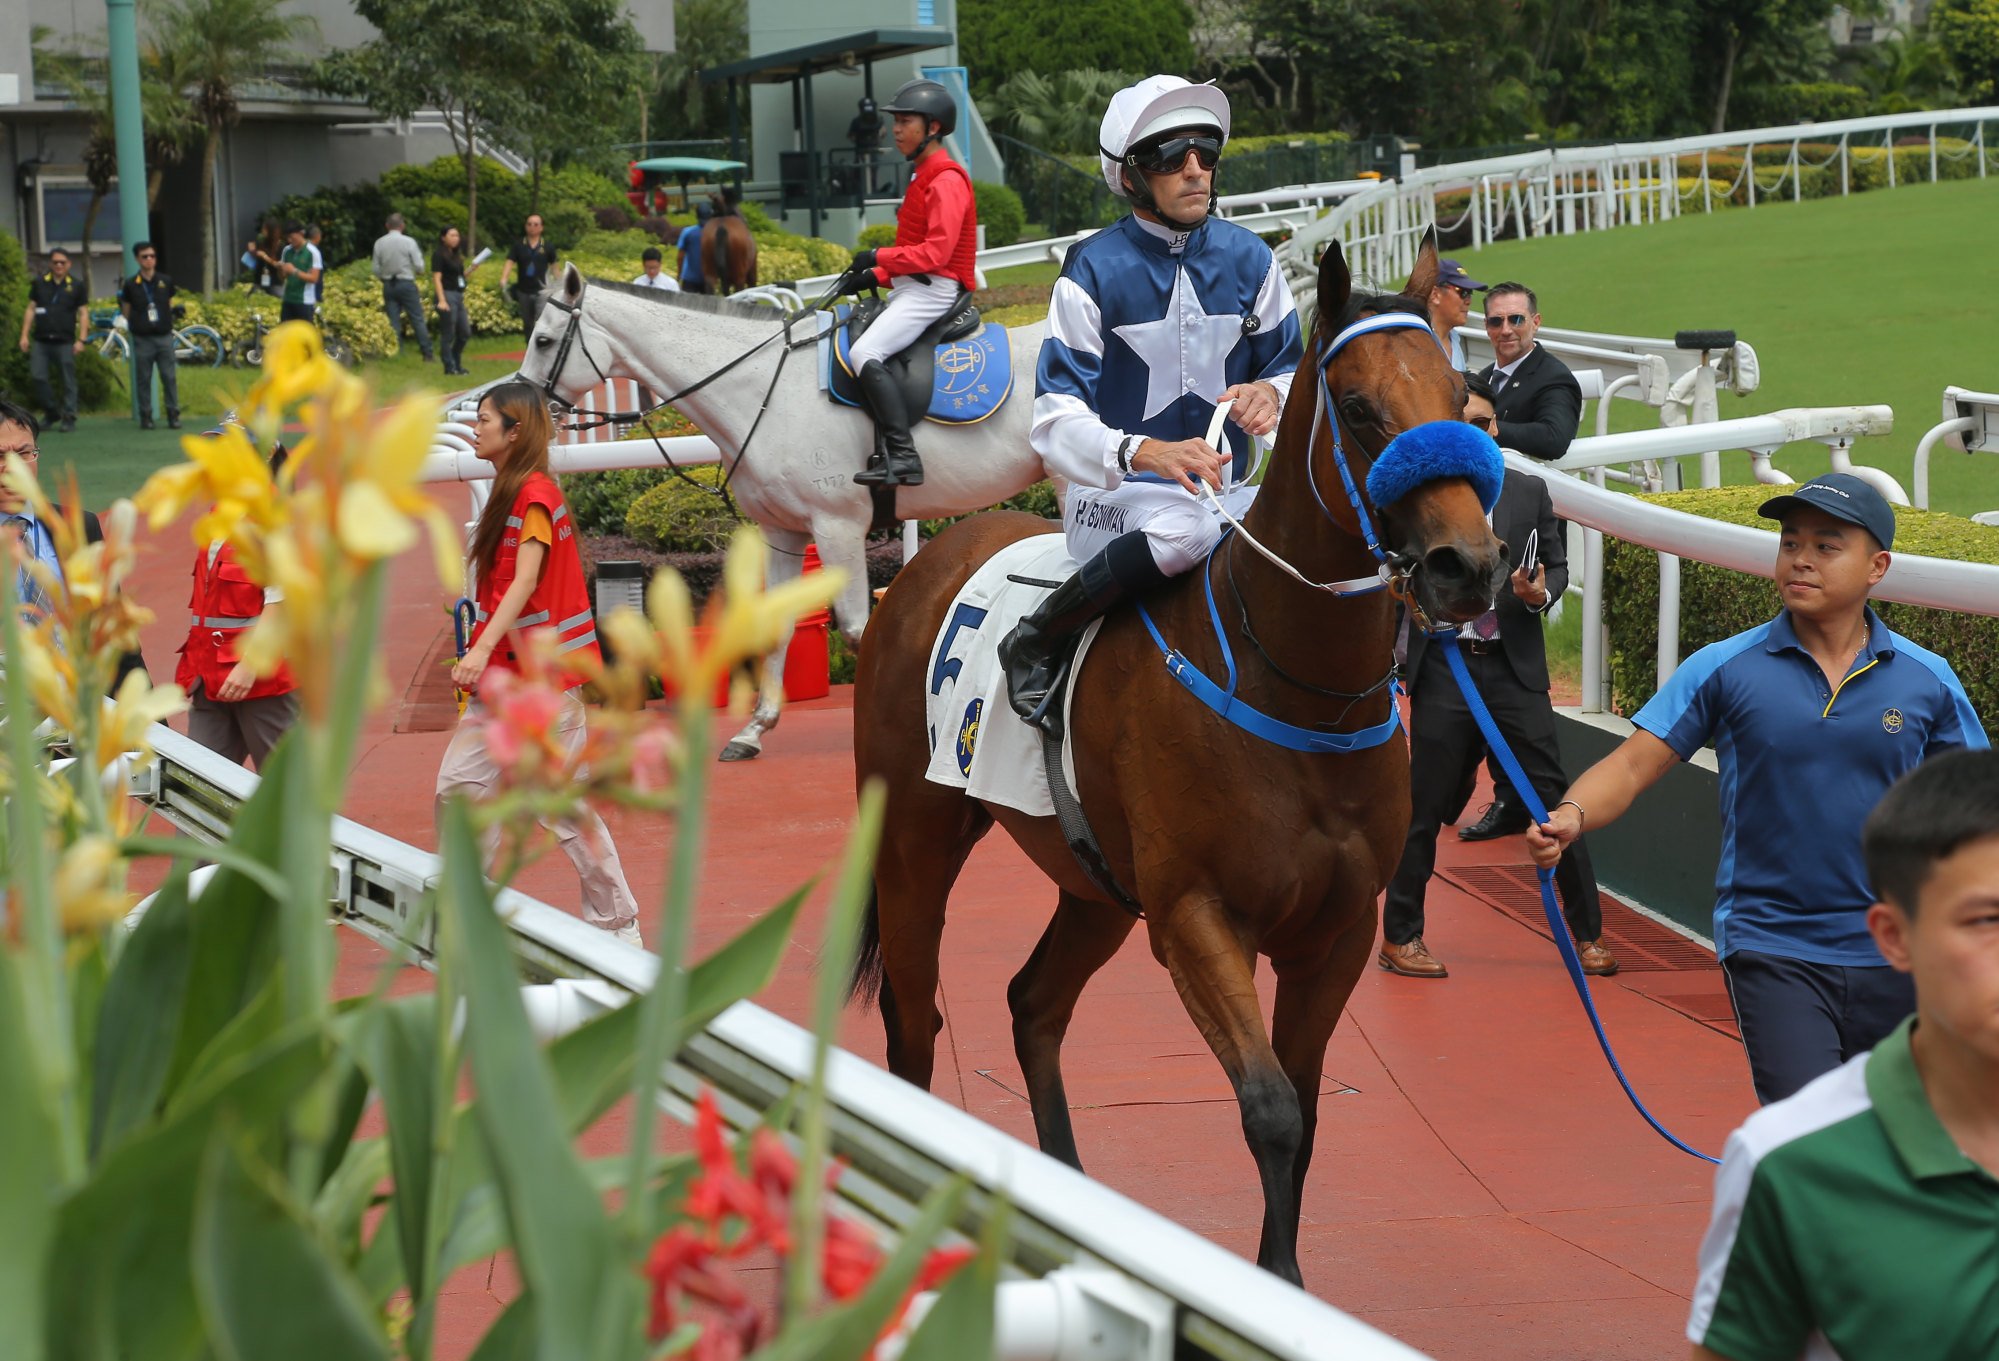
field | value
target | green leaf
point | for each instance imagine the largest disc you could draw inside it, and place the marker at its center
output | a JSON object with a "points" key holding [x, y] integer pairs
{"points": [[117, 1283], [29, 1173], [397, 1041], [235, 925], [186, 850], [247, 1031], [849, 1332], [135, 1028], [960, 1323], [267, 1285], [568, 1256], [512, 1336], [343, 1200]]}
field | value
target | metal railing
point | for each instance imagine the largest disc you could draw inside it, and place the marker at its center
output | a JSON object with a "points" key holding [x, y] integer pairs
{"points": [[1970, 425], [1151, 1289]]}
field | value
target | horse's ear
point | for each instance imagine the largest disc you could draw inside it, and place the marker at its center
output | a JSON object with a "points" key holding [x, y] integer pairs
{"points": [[1423, 278], [572, 282], [1335, 284]]}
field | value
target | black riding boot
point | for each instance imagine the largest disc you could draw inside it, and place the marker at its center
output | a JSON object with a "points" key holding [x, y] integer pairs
{"points": [[1035, 653], [897, 463]]}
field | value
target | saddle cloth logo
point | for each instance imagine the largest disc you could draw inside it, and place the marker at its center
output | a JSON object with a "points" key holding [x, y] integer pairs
{"points": [[972, 377], [968, 735]]}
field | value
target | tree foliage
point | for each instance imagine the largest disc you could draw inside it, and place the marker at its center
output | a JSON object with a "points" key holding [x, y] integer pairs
{"points": [[1060, 113], [706, 33], [999, 38], [1968, 32]]}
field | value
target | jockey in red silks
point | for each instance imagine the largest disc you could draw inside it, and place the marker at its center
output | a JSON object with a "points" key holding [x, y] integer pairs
{"points": [[929, 270]]}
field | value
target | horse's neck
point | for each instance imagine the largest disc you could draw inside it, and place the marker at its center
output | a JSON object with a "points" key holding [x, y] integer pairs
{"points": [[1288, 517], [693, 344]]}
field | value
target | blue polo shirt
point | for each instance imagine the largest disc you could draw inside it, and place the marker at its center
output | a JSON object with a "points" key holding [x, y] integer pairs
{"points": [[1802, 765]]}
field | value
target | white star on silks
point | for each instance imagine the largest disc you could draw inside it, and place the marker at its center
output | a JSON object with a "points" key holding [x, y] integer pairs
{"points": [[1184, 351]]}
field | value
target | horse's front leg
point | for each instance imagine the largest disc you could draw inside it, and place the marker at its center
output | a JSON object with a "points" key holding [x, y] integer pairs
{"points": [[1213, 971], [786, 561]]}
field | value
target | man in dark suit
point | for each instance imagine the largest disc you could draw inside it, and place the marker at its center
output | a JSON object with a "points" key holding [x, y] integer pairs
{"points": [[1536, 397], [1539, 405], [1508, 660], [19, 432]]}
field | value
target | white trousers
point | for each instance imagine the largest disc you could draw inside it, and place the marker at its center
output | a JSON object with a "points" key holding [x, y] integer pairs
{"points": [[469, 770], [1180, 528], [912, 305]]}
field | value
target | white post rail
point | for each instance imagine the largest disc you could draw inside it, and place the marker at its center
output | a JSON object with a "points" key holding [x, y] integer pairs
{"points": [[1162, 1289], [1970, 425]]}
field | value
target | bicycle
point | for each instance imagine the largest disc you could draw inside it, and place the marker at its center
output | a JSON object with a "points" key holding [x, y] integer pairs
{"points": [[250, 354], [196, 344]]}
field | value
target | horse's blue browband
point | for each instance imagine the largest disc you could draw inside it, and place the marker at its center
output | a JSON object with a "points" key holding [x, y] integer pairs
{"points": [[1247, 717]]}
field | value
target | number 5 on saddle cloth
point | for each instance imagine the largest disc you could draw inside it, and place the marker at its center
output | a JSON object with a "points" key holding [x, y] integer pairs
{"points": [[958, 372]]}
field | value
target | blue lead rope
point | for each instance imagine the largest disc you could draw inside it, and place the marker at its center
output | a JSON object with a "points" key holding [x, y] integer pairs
{"points": [[1557, 926]]}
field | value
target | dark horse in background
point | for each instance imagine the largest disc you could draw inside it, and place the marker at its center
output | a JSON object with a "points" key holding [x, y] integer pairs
{"points": [[1234, 847], [728, 251]]}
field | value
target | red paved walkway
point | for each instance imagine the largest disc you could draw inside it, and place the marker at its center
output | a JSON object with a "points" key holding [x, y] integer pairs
{"points": [[1480, 1190]]}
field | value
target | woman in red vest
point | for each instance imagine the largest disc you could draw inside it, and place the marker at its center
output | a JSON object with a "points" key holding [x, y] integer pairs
{"points": [[529, 579], [231, 710], [929, 269]]}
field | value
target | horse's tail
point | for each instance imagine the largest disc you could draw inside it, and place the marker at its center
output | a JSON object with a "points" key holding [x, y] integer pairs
{"points": [[867, 983], [722, 276], [750, 275]]}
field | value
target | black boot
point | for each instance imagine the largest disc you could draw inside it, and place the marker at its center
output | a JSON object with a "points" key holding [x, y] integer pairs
{"points": [[899, 464], [1035, 653]]}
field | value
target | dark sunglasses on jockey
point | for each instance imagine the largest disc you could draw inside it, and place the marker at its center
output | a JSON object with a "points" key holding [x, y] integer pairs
{"points": [[1165, 157]]}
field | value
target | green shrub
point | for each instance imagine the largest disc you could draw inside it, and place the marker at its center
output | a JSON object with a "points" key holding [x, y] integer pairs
{"points": [[14, 379], [877, 236], [827, 257], [674, 517], [568, 223], [599, 502], [1716, 603], [1000, 213]]}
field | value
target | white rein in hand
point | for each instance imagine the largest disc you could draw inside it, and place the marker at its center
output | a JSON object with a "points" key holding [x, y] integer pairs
{"points": [[1350, 586]]}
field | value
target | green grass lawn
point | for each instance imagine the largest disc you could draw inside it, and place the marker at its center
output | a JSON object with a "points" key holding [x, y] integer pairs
{"points": [[1883, 297], [112, 457]]}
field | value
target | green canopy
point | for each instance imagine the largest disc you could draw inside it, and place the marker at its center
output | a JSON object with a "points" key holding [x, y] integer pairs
{"points": [[690, 165]]}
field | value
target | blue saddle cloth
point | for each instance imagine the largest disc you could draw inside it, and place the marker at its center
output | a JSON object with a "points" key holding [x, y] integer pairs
{"points": [[972, 375]]}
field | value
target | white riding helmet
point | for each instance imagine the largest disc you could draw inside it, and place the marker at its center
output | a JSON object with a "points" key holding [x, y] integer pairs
{"points": [[1156, 104]]}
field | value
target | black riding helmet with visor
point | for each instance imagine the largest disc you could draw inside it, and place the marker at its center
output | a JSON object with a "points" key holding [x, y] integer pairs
{"points": [[929, 101]]}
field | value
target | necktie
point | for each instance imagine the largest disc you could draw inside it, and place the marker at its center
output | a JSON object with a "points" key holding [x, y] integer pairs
{"points": [[1499, 381], [21, 529], [1486, 626]]}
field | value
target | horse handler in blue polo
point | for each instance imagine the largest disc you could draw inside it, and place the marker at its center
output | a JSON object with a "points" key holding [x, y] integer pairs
{"points": [[1812, 716]]}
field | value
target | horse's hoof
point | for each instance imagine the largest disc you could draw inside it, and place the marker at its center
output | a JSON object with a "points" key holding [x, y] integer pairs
{"points": [[740, 751]]}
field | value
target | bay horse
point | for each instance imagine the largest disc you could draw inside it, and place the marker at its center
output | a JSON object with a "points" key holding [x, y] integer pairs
{"points": [[728, 251], [789, 454], [1234, 847]]}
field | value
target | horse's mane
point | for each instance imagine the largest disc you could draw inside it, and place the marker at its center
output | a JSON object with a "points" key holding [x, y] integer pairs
{"points": [[1374, 304], [692, 302]]}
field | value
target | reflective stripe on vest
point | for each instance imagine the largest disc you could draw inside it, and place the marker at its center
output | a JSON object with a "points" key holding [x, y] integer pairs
{"points": [[219, 622], [526, 621], [580, 640], [561, 512]]}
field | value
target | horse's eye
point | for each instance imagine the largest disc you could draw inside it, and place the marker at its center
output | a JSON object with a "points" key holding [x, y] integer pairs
{"points": [[1356, 410], [543, 342]]}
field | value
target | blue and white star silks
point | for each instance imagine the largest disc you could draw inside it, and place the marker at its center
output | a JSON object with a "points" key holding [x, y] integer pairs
{"points": [[1146, 329]]}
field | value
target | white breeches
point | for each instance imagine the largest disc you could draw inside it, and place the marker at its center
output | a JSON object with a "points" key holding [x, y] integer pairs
{"points": [[1179, 527], [911, 307]]}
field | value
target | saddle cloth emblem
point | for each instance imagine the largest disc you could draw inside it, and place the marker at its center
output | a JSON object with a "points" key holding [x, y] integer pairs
{"points": [[972, 377], [968, 735]]}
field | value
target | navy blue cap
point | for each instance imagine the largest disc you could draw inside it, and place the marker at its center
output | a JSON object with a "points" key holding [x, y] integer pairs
{"points": [[1842, 496], [1450, 274]]}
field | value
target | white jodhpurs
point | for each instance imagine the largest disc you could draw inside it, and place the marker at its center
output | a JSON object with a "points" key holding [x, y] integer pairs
{"points": [[1179, 527], [912, 305]]}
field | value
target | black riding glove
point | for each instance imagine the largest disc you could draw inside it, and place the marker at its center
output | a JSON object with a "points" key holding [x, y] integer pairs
{"points": [[864, 261]]}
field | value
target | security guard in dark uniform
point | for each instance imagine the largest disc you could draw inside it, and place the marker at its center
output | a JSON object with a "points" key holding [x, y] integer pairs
{"points": [[52, 332], [147, 300]]}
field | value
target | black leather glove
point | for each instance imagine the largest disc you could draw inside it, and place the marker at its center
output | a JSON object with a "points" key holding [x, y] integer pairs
{"points": [[863, 260]]}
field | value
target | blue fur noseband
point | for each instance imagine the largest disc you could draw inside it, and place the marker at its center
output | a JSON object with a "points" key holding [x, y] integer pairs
{"points": [[1433, 450]]}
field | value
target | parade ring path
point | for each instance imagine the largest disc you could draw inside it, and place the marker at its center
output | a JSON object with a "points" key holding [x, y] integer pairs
{"points": [[1481, 1189]]}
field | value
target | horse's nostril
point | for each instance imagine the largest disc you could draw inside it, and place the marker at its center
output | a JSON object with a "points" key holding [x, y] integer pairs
{"points": [[1449, 566]]}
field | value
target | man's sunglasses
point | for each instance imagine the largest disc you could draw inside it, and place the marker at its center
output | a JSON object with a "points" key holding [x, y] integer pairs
{"points": [[1160, 158], [1514, 322]]}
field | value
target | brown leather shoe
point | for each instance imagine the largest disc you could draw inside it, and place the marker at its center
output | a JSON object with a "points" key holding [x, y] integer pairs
{"points": [[1413, 960], [1596, 960]]}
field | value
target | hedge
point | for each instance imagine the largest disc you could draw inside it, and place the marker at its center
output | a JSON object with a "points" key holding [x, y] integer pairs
{"points": [[1000, 213], [674, 517], [1716, 603]]}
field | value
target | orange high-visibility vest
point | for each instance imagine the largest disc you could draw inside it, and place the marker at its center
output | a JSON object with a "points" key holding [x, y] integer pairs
{"points": [[225, 604], [561, 600]]}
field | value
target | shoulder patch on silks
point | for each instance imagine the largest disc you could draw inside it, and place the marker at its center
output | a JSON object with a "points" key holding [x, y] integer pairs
{"points": [[1433, 451], [973, 374], [977, 742]]}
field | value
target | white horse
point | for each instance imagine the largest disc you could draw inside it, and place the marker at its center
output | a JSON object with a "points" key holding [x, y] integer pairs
{"points": [[795, 478]]}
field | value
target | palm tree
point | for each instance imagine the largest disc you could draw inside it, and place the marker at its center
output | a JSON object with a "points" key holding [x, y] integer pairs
{"points": [[169, 128], [215, 48]]}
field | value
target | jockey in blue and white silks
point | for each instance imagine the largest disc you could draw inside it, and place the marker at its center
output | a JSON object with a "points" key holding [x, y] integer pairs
{"points": [[1154, 322]]}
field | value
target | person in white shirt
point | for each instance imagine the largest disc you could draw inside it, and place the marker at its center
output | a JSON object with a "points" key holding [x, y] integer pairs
{"points": [[654, 276], [399, 264]]}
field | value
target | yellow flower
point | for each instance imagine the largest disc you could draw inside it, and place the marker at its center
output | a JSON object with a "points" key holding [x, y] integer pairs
{"points": [[746, 624], [381, 497], [89, 885], [224, 469], [134, 709], [295, 368], [51, 676]]}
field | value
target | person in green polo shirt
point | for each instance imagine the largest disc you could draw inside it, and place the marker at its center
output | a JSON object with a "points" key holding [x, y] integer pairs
{"points": [[1859, 1218], [302, 268]]}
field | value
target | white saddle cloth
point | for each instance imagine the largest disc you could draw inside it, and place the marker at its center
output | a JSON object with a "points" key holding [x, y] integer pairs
{"points": [[977, 743]]}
